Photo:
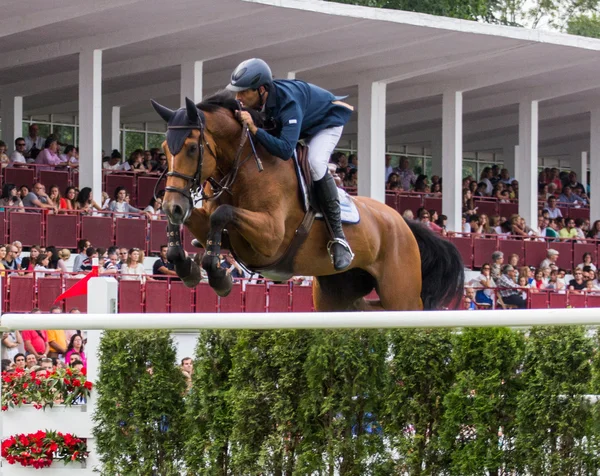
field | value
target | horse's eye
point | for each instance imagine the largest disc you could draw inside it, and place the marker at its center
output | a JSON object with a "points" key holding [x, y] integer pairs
{"points": [[193, 149]]}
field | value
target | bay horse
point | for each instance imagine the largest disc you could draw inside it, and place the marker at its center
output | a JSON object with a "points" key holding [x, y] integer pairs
{"points": [[257, 203]]}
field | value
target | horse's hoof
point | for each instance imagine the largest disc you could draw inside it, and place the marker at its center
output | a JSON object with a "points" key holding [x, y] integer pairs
{"points": [[210, 263], [221, 285], [189, 273], [175, 254]]}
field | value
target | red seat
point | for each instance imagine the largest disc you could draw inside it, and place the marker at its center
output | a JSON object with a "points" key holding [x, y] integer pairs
{"points": [[61, 231], [583, 213], [131, 232], [60, 178], [577, 300], [21, 296], [181, 297], [158, 235], [535, 253], [580, 248], [538, 300], [302, 299], [464, 245], [558, 300], [409, 202], [234, 301], [157, 296], [391, 200], [565, 254], [487, 207], [206, 299], [256, 298], [279, 298], [3, 226], [431, 203], [26, 228], [509, 247], [99, 230], [48, 290], [115, 180], [482, 250], [507, 209], [130, 296], [593, 300], [145, 189], [80, 302], [19, 176]]}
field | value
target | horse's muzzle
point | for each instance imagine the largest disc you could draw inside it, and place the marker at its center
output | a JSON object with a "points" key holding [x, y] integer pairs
{"points": [[177, 213]]}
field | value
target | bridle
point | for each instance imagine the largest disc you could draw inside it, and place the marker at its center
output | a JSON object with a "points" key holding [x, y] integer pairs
{"points": [[193, 185]]}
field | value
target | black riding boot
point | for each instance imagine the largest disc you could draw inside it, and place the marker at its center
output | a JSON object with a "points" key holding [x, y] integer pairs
{"points": [[338, 248]]}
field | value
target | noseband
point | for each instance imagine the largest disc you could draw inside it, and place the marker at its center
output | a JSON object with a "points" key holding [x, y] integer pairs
{"points": [[193, 181]]}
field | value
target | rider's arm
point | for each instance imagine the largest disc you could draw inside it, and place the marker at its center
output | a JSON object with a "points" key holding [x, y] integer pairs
{"points": [[291, 123]]}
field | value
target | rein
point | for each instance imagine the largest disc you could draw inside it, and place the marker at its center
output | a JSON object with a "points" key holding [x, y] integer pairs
{"points": [[225, 184]]}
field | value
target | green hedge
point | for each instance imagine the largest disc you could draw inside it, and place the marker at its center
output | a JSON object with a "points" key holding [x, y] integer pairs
{"points": [[365, 402]]}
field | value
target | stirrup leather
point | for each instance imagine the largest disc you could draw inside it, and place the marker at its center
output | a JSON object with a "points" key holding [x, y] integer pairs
{"points": [[344, 243]]}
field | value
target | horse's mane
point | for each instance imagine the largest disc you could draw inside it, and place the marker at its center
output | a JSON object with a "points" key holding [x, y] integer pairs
{"points": [[225, 99]]}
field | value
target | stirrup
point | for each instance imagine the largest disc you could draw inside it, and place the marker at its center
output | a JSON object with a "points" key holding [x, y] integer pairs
{"points": [[342, 242]]}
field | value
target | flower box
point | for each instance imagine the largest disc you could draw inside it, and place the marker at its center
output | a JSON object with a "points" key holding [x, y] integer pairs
{"points": [[68, 419]]}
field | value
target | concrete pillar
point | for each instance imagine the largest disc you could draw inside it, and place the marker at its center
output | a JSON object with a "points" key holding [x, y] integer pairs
{"points": [[111, 128], [579, 165], [191, 81], [90, 121], [371, 139], [436, 155], [526, 166], [509, 157], [11, 111], [452, 153], [595, 163]]}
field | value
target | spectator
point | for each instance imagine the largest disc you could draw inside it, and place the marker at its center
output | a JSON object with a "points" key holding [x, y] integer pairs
{"points": [[569, 197], [10, 262], [393, 182], [76, 347], [497, 262], [42, 266], [133, 269], [551, 259], [85, 202], [135, 162], [187, 368], [49, 156], [516, 226], [68, 201], [114, 162], [19, 360], [162, 266], [29, 262], [11, 342], [587, 261], [10, 198], [120, 204], [31, 360], [82, 246], [505, 177], [46, 363], [539, 282], [38, 198], [577, 283], [572, 181], [509, 289], [232, 266], [88, 263], [554, 282], [551, 231], [569, 232], [407, 176], [472, 225], [111, 262], [486, 175], [553, 211], [154, 208], [161, 164], [36, 342], [70, 156], [469, 303], [486, 283], [63, 257], [57, 340], [123, 255], [18, 157], [554, 182], [468, 206], [408, 214], [54, 196], [33, 141], [4, 160]]}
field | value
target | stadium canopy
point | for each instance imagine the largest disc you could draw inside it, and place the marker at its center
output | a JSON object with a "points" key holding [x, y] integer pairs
{"points": [[451, 85]]}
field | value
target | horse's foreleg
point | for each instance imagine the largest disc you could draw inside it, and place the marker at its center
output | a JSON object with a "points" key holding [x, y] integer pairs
{"points": [[186, 268]]}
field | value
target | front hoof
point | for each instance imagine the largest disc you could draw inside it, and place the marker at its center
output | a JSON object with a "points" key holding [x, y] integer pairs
{"points": [[189, 272], [221, 285]]}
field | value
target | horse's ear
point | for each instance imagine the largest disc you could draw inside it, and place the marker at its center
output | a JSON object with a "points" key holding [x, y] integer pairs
{"points": [[162, 111], [192, 110]]}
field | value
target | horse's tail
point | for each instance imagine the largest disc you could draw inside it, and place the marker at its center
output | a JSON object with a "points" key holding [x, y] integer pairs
{"points": [[442, 269]]}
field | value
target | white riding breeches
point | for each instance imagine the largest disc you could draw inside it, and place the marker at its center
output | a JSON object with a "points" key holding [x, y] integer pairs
{"points": [[320, 148]]}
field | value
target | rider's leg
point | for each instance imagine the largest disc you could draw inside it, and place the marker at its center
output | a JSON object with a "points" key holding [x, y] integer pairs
{"points": [[320, 149]]}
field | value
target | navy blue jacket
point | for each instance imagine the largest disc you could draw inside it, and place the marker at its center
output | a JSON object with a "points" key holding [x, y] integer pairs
{"points": [[300, 110]]}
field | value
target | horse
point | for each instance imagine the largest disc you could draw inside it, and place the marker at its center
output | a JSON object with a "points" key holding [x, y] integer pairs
{"points": [[256, 201]]}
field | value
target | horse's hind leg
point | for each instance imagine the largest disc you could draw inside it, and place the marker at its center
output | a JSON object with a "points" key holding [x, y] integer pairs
{"points": [[343, 291]]}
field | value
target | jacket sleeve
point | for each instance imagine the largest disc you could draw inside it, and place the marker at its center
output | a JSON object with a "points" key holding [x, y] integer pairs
{"points": [[291, 123]]}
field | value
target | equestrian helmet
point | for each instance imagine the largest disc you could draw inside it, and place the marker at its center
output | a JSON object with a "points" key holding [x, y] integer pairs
{"points": [[250, 74]]}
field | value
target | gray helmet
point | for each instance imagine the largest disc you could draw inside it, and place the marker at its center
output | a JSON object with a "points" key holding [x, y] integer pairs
{"points": [[250, 74]]}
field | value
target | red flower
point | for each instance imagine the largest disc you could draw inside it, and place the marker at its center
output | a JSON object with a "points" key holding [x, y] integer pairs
{"points": [[88, 385], [76, 382]]}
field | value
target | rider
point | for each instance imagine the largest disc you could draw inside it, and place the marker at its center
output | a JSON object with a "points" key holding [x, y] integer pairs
{"points": [[300, 110]]}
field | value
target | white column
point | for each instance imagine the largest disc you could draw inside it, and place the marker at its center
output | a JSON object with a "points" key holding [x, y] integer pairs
{"points": [[509, 157], [595, 163], [526, 166], [436, 155], [191, 81], [11, 111], [90, 120], [371, 139], [578, 161], [452, 153], [111, 128]]}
